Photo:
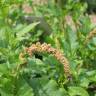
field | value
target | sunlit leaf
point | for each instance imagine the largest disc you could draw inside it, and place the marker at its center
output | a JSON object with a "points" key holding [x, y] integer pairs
{"points": [[27, 29], [73, 91]]}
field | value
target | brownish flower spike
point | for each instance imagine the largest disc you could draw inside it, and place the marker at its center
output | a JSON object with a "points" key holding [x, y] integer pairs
{"points": [[90, 36], [38, 47]]}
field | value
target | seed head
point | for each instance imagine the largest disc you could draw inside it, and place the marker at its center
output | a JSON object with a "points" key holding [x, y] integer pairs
{"points": [[90, 36], [38, 47]]}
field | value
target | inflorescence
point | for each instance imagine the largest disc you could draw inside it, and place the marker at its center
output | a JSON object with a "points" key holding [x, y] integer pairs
{"points": [[41, 48], [90, 36]]}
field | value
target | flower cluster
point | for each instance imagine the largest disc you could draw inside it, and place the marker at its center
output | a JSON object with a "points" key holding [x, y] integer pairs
{"points": [[90, 35], [48, 49]]}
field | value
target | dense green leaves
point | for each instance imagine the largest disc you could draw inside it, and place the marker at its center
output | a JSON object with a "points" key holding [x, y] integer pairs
{"points": [[43, 75]]}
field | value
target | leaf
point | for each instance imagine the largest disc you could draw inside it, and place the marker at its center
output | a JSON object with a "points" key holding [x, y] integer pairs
{"points": [[43, 87], [53, 90], [5, 86], [26, 29], [74, 91], [84, 82], [2, 93], [3, 68], [71, 39], [3, 51], [25, 90], [91, 75], [36, 65]]}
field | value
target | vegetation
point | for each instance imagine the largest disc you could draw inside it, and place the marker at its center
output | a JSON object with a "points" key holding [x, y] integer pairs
{"points": [[53, 56]]}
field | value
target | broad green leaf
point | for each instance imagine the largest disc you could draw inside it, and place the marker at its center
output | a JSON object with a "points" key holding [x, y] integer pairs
{"points": [[94, 40], [2, 93], [45, 87], [84, 82], [6, 86], [53, 90], [74, 91], [71, 39], [26, 29], [15, 86], [92, 75], [25, 90], [3, 69]]}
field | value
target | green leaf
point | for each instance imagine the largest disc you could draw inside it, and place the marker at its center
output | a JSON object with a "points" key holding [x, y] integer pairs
{"points": [[71, 39], [74, 91], [91, 75], [53, 90], [25, 90], [84, 82], [2, 93], [43, 87], [26, 29]]}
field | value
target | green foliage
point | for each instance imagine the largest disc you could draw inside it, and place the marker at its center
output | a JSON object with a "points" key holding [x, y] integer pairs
{"points": [[45, 77]]}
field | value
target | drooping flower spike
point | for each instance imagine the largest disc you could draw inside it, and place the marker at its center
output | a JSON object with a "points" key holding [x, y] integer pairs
{"points": [[38, 47], [90, 36]]}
